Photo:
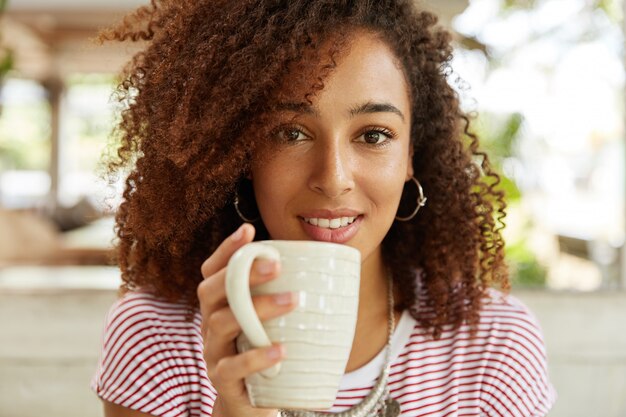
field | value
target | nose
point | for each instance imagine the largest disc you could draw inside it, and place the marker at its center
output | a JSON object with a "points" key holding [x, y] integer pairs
{"points": [[332, 171]]}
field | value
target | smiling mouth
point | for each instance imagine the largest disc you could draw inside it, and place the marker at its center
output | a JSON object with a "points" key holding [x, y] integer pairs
{"points": [[334, 223]]}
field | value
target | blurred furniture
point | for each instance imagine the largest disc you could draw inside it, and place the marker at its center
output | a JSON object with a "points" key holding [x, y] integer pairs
{"points": [[606, 257], [30, 239]]}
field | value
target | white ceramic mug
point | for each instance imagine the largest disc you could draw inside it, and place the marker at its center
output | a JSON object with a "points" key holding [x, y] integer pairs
{"points": [[317, 335]]}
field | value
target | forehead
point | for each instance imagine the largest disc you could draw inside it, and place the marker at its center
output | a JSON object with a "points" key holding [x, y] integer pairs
{"points": [[359, 66], [368, 70]]}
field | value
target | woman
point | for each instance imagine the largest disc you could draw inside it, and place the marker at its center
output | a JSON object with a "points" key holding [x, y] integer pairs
{"points": [[309, 120]]}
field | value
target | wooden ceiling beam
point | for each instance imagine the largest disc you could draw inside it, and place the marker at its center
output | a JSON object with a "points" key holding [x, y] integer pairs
{"points": [[53, 42]]}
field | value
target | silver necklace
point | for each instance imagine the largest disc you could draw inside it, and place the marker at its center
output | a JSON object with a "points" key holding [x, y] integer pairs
{"points": [[378, 402]]}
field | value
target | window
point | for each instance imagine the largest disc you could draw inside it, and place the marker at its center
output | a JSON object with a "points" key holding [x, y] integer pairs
{"points": [[24, 144], [87, 123]]}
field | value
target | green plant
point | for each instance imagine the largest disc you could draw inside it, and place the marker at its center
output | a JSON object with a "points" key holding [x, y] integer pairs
{"points": [[526, 270], [6, 54], [500, 135]]}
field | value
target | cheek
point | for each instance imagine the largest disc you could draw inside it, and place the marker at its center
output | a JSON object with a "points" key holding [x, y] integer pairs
{"points": [[272, 183], [386, 182], [263, 188]]}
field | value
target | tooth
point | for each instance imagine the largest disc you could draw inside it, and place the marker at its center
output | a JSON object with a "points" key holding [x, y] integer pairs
{"points": [[345, 221], [323, 222], [351, 219], [335, 223], [313, 221]]}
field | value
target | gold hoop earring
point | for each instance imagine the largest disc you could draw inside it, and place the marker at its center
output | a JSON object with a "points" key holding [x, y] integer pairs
{"points": [[421, 202], [241, 216]]}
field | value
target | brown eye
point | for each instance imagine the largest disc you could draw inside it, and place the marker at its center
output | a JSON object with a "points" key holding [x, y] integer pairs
{"points": [[376, 137], [373, 137], [290, 134]]}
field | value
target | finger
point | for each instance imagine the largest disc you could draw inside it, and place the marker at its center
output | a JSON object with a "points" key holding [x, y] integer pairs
{"points": [[223, 325], [212, 291], [225, 250], [232, 369]]}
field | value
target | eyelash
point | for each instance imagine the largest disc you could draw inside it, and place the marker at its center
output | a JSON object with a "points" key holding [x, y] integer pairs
{"points": [[389, 134], [285, 129]]}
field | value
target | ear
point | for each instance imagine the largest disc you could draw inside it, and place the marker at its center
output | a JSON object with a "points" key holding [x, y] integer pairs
{"points": [[409, 164]]}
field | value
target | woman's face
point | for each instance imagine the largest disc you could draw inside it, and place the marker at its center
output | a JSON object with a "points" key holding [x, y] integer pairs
{"points": [[335, 171]]}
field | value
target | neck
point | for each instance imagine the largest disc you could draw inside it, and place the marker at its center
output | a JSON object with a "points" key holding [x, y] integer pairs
{"points": [[374, 287], [372, 321]]}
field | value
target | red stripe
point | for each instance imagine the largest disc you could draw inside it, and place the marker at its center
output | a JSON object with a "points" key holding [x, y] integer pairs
{"points": [[446, 381], [132, 325], [203, 403], [508, 412], [171, 399], [157, 317], [161, 383], [461, 358], [439, 401], [134, 359], [493, 412], [475, 388], [126, 306], [454, 410], [120, 341], [414, 348], [193, 388], [489, 335], [513, 371], [442, 401], [452, 363], [192, 361], [200, 372], [501, 368], [498, 388], [148, 315]]}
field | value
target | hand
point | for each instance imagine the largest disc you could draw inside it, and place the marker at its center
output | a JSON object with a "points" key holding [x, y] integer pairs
{"points": [[225, 367]]}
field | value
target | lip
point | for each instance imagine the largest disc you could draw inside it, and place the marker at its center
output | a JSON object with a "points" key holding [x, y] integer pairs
{"points": [[330, 214], [339, 235]]}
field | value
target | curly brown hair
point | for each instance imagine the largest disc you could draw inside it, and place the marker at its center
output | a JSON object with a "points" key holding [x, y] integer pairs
{"points": [[196, 95]]}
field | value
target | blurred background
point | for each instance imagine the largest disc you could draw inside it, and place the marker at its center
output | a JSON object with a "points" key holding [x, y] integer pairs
{"points": [[544, 79]]}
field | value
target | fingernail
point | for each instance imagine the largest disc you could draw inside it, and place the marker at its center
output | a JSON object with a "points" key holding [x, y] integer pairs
{"points": [[276, 352], [238, 234], [266, 266], [283, 299]]}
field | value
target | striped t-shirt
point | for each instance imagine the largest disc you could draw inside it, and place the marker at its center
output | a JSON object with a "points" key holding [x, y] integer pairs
{"points": [[152, 362]]}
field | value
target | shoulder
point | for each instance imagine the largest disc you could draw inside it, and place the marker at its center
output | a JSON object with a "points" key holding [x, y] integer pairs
{"points": [[508, 326], [151, 357], [505, 313], [498, 368], [142, 312], [141, 322], [515, 372]]}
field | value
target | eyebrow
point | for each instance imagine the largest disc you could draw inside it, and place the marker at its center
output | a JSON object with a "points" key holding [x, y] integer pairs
{"points": [[296, 108], [365, 108], [371, 107]]}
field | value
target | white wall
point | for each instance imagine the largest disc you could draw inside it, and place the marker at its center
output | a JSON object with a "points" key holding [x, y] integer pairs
{"points": [[586, 339], [49, 343]]}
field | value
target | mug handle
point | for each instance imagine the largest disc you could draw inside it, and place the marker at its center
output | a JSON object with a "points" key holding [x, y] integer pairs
{"points": [[240, 299]]}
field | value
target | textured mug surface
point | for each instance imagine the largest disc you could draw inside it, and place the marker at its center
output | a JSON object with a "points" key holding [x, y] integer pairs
{"points": [[317, 335]]}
